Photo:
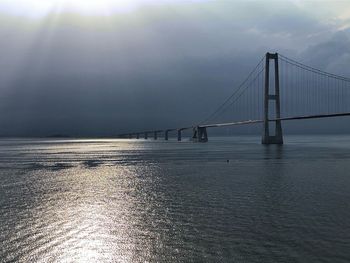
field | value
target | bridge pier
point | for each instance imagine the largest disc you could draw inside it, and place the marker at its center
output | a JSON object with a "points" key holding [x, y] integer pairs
{"points": [[146, 135], [200, 134], [155, 135], [278, 137], [179, 135], [166, 135]]}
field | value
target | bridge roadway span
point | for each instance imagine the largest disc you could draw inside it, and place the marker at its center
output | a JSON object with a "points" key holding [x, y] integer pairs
{"points": [[271, 95], [200, 131]]}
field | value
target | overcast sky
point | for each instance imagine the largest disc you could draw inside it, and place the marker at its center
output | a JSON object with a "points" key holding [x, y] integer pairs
{"points": [[114, 66]]}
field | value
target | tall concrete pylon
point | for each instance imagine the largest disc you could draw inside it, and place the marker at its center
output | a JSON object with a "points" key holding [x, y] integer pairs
{"points": [[277, 138]]}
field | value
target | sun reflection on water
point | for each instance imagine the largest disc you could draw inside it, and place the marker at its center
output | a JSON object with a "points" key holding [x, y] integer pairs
{"points": [[91, 212], [103, 216]]}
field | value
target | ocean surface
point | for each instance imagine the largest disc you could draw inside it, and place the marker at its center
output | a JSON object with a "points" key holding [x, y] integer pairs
{"points": [[228, 200]]}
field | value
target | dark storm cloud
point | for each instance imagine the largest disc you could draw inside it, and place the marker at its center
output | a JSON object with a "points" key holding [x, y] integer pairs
{"points": [[332, 55], [154, 68]]}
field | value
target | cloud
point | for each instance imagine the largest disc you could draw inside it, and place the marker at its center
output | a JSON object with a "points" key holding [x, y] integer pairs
{"points": [[332, 54], [158, 66]]}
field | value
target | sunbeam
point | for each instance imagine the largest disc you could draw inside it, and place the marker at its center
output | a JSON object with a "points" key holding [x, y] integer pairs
{"points": [[40, 8]]}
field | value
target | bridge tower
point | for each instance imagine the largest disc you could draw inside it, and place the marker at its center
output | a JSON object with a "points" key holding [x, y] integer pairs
{"points": [[277, 138]]}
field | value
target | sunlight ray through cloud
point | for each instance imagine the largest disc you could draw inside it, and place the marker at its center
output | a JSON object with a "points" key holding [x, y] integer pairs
{"points": [[40, 8]]}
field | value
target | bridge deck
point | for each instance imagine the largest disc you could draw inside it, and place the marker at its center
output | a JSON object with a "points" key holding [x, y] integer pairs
{"points": [[247, 122], [319, 116]]}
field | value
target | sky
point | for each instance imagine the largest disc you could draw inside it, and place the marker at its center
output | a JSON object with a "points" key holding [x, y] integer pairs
{"points": [[99, 68]]}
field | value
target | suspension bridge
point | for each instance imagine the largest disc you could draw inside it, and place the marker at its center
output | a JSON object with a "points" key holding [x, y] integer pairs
{"points": [[278, 89]]}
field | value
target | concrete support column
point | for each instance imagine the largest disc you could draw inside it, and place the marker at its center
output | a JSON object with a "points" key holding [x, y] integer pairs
{"points": [[203, 135], [179, 135], [278, 137], [200, 134]]}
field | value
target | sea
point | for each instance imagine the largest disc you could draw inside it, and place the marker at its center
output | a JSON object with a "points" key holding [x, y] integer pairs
{"points": [[229, 200]]}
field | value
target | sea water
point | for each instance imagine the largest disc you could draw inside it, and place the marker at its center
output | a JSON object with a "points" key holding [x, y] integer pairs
{"points": [[228, 200]]}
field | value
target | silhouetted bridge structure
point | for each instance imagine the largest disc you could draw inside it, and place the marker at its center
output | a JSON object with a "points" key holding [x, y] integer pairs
{"points": [[297, 92]]}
